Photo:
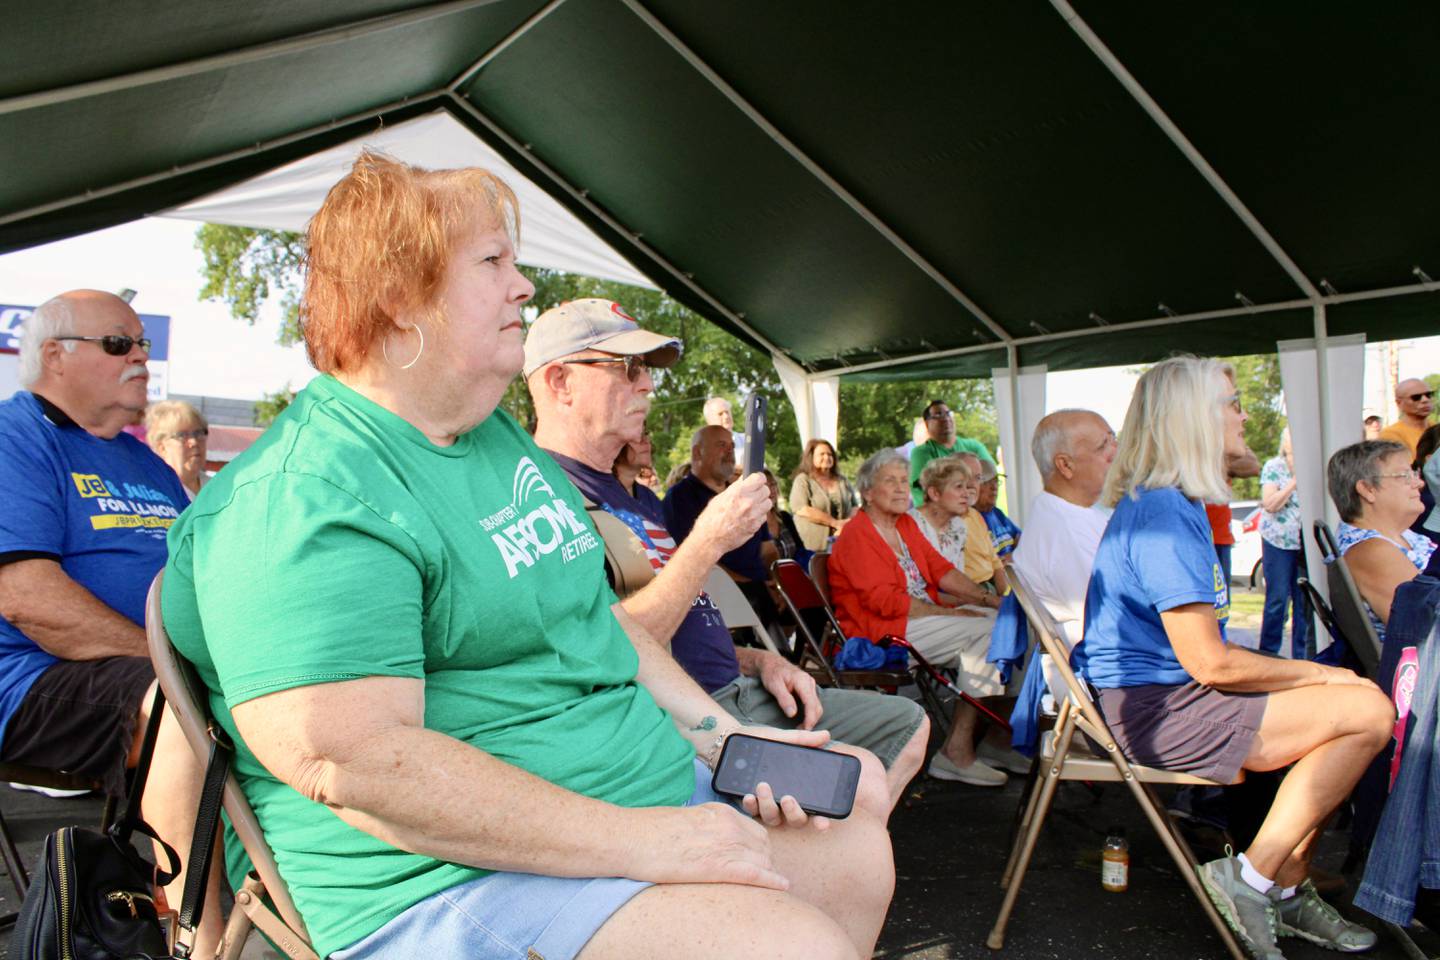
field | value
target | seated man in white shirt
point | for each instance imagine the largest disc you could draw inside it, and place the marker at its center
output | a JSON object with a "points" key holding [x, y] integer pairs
{"points": [[1073, 449]]}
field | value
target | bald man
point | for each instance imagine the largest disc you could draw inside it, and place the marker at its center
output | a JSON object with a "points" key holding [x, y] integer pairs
{"points": [[81, 537], [1415, 400]]}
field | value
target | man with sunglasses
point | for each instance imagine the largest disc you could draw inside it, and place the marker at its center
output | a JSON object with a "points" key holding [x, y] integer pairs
{"points": [[81, 536], [579, 361], [1416, 401]]}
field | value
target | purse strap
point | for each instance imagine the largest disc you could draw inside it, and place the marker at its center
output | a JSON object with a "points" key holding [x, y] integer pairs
{"points": [[130, 822], [202, 839]]}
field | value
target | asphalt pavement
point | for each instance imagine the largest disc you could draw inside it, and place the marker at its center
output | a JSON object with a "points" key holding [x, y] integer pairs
{"points": [[950, 842]]}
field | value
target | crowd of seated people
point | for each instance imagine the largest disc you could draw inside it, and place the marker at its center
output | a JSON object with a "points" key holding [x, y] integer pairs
{"points": [[479, 745]]}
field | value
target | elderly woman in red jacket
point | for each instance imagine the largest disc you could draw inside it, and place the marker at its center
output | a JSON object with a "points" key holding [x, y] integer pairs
{"points": [[886, 579]]}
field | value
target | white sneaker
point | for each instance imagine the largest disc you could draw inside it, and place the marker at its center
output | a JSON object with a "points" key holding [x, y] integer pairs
{"points": [[51, 791], [977, 774], [1005, 758]]}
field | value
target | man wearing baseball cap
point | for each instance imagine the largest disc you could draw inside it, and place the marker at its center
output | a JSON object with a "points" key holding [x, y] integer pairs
{"points": [[587, 365]]}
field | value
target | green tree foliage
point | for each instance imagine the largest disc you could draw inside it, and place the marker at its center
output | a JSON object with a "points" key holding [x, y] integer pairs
{"points": [[244, 267], [272, 405], [875, 415], [1261, 395]]}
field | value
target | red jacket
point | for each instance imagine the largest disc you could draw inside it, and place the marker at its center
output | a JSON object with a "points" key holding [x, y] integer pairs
{"points": [[867, 584]]}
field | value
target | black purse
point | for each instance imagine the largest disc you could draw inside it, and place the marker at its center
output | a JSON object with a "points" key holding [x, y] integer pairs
{"points": [[89, 896]]}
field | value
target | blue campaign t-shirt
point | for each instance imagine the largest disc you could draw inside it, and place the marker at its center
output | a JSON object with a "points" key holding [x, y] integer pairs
{"points": [[683, 504], [1156, 555], [702, 643], [99, 507], [1003, 531]]}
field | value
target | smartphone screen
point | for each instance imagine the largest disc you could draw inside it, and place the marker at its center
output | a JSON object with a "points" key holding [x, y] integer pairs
{"points": [[821, 781], [754, 434]]}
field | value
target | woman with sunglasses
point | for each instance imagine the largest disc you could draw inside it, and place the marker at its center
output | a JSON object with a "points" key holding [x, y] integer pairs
{"points": [[1178, 697], [179, 434], [1377, 493]]}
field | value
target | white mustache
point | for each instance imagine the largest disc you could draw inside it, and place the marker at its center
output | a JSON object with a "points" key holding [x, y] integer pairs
{"points": [[132, 372]]}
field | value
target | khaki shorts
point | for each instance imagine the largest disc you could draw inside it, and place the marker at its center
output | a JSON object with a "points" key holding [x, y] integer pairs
{"points": [[878, 722], [962, 643]]}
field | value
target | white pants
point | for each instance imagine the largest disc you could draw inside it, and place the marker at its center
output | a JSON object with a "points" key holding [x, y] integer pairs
{"points": [[960, 642]]}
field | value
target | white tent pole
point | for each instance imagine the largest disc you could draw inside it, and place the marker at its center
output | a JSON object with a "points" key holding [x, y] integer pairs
{"points": [[815, 170], [582, 197], [230, 58], [1322, 381], [1197, 160], [1014, 480], [464, 76]]}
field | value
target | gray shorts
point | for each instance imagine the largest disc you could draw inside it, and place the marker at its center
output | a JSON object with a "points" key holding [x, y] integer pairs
{"points": [[1187, 728], [880, 723]]}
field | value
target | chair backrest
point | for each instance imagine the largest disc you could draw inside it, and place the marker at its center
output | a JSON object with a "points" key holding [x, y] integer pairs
{"points": [[733, 604], [1346, 604], [815, 620], [820, 574], [626, 561], [188, 698]]}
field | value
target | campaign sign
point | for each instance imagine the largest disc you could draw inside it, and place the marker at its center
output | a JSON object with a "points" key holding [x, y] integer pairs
{"points": [[12, 319]]}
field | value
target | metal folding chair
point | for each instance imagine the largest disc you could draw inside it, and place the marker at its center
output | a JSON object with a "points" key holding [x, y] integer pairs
{"points": [[1064, 756], [1346, 605], [263, 900]]}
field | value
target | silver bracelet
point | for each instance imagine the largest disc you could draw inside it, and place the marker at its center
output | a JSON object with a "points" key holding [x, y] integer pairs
{"points": [[711, 754]]}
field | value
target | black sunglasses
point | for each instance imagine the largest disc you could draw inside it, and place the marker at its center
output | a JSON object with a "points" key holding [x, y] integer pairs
{"points": [[633, 365], [117, 345], [1417, 397]]}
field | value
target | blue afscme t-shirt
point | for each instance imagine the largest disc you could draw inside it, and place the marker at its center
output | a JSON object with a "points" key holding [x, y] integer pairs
{"points": [[101, 508], [1156, 555]]}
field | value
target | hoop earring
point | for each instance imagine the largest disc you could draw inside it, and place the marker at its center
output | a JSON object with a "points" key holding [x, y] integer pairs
{"points": [[385, 350]]}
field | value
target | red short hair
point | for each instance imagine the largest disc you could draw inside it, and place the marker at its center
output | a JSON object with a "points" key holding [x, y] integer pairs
{"points": [[381, 241]]}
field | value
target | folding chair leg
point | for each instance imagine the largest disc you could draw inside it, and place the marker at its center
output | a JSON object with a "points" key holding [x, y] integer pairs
{"points": [[1184, 859], [1025, 814], [996, 940], [237, 931], [939, 716], [19, 878]]}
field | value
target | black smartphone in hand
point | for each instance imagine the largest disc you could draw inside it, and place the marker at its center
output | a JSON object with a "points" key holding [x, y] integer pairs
{"points": [[754, 435], [822, 781]]}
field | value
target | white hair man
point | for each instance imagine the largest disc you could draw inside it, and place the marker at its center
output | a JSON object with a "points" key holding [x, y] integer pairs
{"points": [[1073, 449], [81, 537], [587, 367], [718, 414]]}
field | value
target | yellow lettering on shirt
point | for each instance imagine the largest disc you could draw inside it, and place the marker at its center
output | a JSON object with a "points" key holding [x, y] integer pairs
{"points": [[110, 521], [90, 485]]}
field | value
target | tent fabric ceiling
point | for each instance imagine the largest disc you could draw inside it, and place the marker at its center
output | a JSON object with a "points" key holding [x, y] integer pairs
{"points": [[903, 188]]}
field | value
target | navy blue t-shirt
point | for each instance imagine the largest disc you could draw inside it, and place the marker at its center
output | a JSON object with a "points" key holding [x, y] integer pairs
{"points": [[101, 508], [684, 503], [702, 643], [1156, 555]]}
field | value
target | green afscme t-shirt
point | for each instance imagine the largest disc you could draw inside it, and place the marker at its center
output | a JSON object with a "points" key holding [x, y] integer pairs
{"points": [[345, 545], [930, 450]]}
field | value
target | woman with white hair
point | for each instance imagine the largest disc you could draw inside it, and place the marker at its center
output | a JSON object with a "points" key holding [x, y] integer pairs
{"points": [[179, 435], [887, 580], [1178, 697]]}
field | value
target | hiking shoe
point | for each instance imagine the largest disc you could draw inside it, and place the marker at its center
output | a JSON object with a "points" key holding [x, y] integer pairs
{"points": [[1307, 916], [977, 774], [1250, 913]]}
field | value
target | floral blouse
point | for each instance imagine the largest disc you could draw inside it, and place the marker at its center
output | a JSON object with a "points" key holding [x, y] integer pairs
{"points": [[1417, 550], [949, 541], [1281, 528]]}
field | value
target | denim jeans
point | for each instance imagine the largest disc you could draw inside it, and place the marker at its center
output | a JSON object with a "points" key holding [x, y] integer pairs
{"points": [[1406, 853], [1282, 589]]}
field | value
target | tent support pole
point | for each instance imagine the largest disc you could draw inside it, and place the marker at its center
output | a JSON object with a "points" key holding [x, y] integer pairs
{"points": [[813, 168], [582, 198], [1322, 383], [1182, 142], [1014, 481], [1165, 321], [469, 72]]}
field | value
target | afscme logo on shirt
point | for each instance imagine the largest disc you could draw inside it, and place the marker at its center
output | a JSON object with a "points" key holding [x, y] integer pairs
{"points": [[523, 534]]}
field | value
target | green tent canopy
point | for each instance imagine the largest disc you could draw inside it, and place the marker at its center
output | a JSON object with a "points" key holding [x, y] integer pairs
{"points": [[868, 190]]}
